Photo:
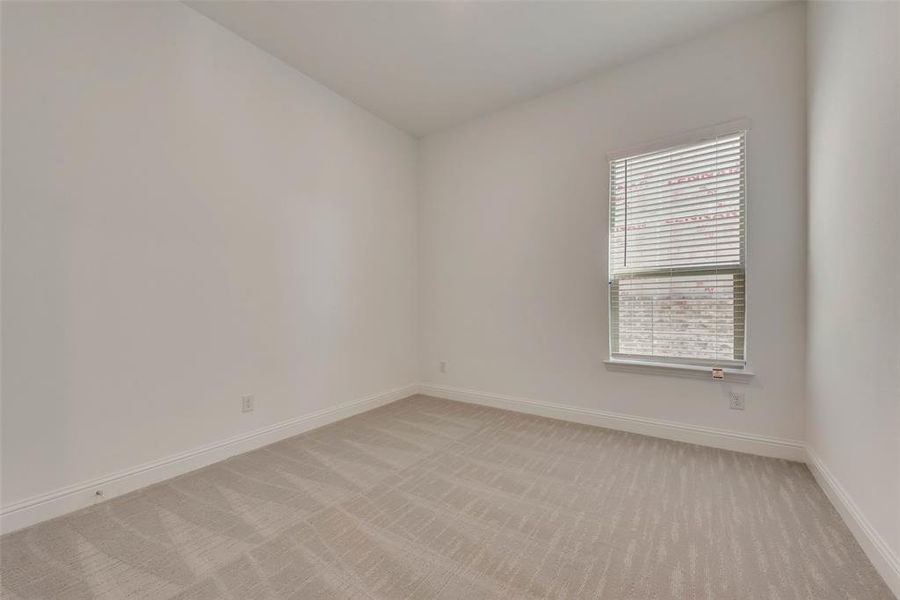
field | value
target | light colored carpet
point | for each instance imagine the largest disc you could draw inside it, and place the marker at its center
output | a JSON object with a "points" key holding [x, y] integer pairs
{"points": [[432, 499]]}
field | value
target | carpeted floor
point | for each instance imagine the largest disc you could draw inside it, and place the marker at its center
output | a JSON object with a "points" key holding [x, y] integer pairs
{"points": [[433, 499]]}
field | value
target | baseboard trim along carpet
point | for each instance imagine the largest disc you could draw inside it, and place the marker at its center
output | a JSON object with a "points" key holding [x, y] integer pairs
{"points": [[80, 495], [670, 430], [886, 562]]}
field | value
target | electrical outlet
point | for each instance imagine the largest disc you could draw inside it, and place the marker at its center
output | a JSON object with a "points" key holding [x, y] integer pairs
{"points": [[736, 400], [247, 404], [443, 366]]}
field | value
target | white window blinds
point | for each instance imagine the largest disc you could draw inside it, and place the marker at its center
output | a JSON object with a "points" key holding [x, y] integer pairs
{"points": [[677, 245]]}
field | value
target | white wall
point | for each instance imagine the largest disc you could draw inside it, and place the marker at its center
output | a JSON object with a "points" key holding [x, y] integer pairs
{"points": [[185, 220], [853, 424], [513, 230]]}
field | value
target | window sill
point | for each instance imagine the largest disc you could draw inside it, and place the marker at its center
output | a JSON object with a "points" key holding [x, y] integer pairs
{"points": [[676, 370]]}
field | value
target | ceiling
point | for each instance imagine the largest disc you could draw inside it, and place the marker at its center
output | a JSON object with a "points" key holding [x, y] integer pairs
{"points": [[425, 66]]}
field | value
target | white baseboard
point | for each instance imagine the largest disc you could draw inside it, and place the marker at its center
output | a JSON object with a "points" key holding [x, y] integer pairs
{"points": [[70, 498], [886, 562], [670, 430]]}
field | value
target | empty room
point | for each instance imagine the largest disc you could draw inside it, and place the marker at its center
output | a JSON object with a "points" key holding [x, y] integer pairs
{"points": [[454, 299]]}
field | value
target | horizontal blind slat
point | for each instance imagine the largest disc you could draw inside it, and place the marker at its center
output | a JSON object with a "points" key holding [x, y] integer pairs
{"points": [[710, 152], [707, 164], [701, 170], [666, 202], [686, 150], [722, 194], [666, 187]]}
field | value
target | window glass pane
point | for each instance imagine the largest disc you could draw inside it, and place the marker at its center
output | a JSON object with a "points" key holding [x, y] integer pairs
{"points": [[681, 316]]}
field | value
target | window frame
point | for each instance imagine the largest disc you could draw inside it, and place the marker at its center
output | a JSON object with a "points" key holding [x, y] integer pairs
{"points": [[660, 364]]}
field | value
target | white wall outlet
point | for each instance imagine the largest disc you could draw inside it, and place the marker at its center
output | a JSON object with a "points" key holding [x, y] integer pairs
{"points": [[248, 403], [736, 400], [443, 366]]}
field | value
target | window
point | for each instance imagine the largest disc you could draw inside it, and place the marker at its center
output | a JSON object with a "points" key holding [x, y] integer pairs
{"points": [[677, 251]]}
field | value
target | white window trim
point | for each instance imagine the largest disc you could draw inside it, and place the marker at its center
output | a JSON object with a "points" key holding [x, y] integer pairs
{"points": [[675, 368]]}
